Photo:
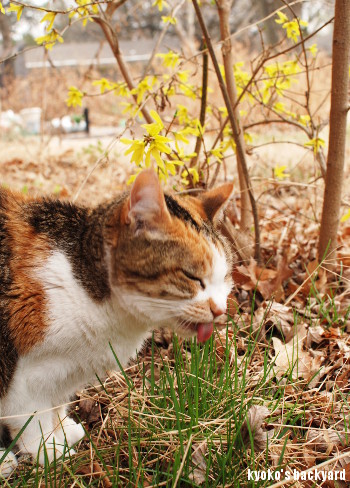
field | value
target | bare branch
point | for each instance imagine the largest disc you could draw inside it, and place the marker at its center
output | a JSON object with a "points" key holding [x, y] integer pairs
{"points": [[203, 107], [113, 41]]}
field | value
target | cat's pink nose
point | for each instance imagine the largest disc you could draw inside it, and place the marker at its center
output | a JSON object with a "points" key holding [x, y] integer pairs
{"points": [[215, 309]]}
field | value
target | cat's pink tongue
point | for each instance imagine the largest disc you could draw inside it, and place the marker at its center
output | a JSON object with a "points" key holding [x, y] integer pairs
{"points": [[204, 331]]}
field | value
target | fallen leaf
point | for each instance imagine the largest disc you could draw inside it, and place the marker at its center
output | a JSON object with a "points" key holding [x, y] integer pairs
{"points": [[276, 315], [89, 410], [199, 463], [332, 333], [95, 471], [345, 464], [273, 286], [315, 334], [253, 425], [343, 347], [267, 281], [291, 357], [325, 440]]}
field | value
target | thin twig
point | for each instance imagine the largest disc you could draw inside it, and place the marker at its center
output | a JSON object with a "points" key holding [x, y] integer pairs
{"points": [[203, 107], [160, 39], [98, 162], [113, 41]]}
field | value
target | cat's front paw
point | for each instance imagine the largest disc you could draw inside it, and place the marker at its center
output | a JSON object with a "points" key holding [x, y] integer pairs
{"points": [[70, 432], [52, 452], [45, 450], [8, 465]]}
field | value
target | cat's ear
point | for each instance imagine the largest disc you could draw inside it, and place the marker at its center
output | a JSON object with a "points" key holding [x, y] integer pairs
{"points": [[146, 204], [215, 201]]}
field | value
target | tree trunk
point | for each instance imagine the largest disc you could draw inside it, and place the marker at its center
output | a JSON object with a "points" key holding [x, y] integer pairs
{"points": [[224, 7], [337, 134]]}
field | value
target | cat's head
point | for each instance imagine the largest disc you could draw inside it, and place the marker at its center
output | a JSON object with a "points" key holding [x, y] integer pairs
{"points": [[169, 264]]}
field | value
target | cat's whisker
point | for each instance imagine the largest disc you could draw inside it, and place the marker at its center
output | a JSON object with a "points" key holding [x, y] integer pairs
{"points": [[184, 323], [159, 302]]}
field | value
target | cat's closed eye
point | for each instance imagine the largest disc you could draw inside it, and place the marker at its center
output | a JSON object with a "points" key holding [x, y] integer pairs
{"points": [[194, 278]]}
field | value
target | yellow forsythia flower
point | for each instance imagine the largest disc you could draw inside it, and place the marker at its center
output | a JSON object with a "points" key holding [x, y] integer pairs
{"points": [[282, 18], [313, 49], [121, 89], [292, 27], [2, 10], [169, 19], [182, 114], [170, 59], [49, 40], [104, 84], [50, 18], [16, 8], [183, 76], [160, 4], [137, 149], [217, 153], [188, 175], [151, 146], [304, 119], [156, 127], [223, 111], [316, 144], [346, 216], [188, 90], [179, 137], [279, 172], [143, 87], [75, 97]]}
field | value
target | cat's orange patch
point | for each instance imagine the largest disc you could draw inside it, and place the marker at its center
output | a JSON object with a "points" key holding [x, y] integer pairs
{"points": [[195, 207], [27, 298]]}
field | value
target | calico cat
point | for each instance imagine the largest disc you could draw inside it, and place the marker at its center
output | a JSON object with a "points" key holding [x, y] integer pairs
{"points": [[75, 280]]}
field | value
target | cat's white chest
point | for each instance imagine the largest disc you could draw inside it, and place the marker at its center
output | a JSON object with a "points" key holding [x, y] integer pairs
{"points": [[81, 331]]}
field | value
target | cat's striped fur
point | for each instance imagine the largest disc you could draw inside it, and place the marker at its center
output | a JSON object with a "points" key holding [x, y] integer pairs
{"points": [[74, 280]]}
